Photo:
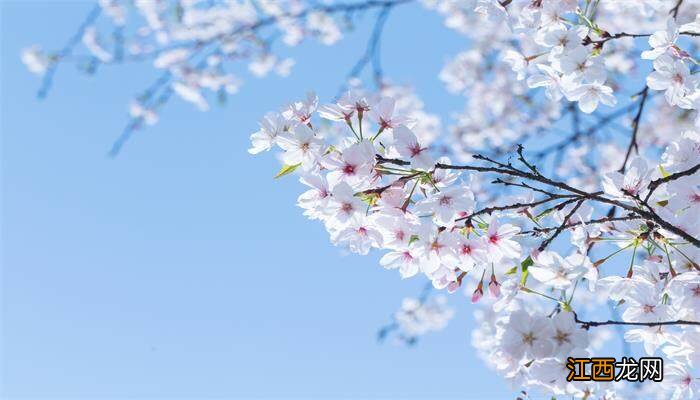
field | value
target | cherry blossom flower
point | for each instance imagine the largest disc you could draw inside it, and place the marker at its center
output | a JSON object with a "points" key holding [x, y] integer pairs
{"points": [[383, 114], [553, 270], [301, 147], [405, 260], [344, 204], [352, 166], [271, 126], [567, 334], [499, 243], [643, 304], [673, 77], [662, 41], [36, 61], [359, 235], [527, 336], [632, 184], [447, 204], [590, 94], [315, 200], [407, 146]]}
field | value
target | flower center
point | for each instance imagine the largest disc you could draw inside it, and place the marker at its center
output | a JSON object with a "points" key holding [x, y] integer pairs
{"points": [[696, 291], [562, 337], [415, 150]]}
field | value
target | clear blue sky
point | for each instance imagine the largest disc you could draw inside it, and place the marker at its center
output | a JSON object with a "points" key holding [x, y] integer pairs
{"points": [[181, 269]]}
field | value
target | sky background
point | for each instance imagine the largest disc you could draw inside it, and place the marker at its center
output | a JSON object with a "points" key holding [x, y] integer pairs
{"points": [[181, 269]]}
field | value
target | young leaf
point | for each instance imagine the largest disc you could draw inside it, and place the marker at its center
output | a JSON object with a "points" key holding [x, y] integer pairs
{"points": [[286, 169], [524, 266]]}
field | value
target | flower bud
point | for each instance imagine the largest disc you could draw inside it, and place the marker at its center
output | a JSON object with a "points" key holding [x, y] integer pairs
{"points": [[494, 287], [452, 287], [478, 294]]}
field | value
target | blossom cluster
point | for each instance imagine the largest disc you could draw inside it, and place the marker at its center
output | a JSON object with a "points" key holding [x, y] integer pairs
{"points": [[417, 317], [596, 217], [379, 187], [196, 47], [566, 54]]}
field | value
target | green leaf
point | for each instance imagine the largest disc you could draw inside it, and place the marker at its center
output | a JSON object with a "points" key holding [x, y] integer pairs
{"points": [[545, 213], [414, 238], [512, 270], [663, 171], [369, 198], [524, 266], [286, 169], [329, 150]]}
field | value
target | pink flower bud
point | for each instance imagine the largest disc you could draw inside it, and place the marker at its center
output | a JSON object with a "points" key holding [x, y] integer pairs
{"points": [[656, 258], [494, 287], [534, 254], [452, 287], [478, 294]]}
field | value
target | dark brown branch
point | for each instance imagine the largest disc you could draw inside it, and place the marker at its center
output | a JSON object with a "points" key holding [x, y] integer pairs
{"points": [[657, 182], [603, 220], [649, 215], [489, 210], [588, 324], [557, 231], [635, 128], [675, 9]]}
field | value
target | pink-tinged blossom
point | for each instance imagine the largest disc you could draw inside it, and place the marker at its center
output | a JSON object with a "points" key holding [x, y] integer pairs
{"points": [[499, 243], [555, 271], [589, 95], [335, 112], [383, 113], [359, 235], [404, 260], [301, 110], [674, 78], [301, 147], [471, 252], [633, 183], [644, 304], [408, 147], [527, 336], [271, 126], [446, 205], [344, 204], [567, 335], [662, 42], [315, 200], [353, 165]]}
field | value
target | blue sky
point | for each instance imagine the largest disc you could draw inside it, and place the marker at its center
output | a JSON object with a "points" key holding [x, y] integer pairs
{"points": [[181, 269]]}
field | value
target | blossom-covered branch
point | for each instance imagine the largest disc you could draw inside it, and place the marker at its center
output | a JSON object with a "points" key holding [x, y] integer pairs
{"points": [[560, 189]]}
